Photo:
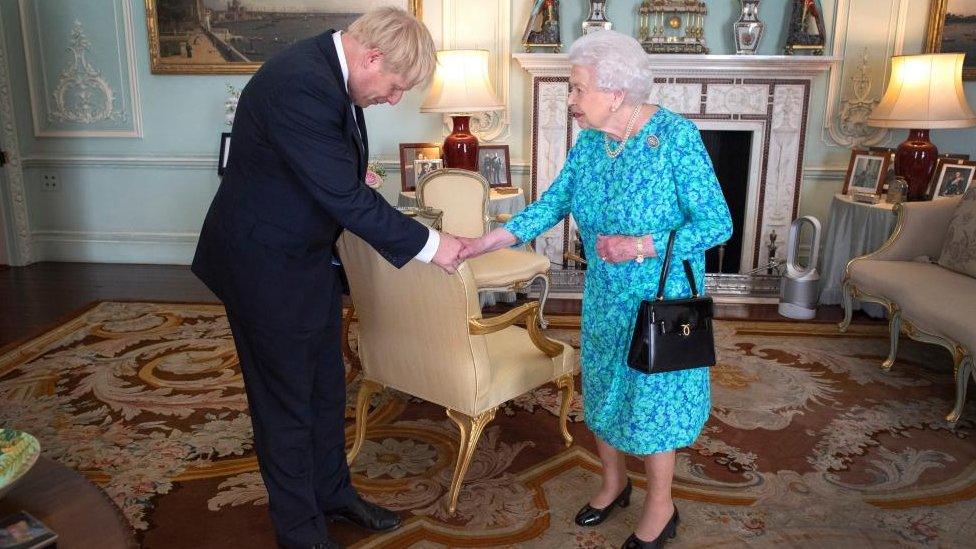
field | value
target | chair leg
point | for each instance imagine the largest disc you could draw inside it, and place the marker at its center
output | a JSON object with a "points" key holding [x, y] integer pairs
{"points": [[471, 429], [962, 369], [565, 384], [848, 301], [347, 352], [366, 391], [542, 301], [894, 330]]}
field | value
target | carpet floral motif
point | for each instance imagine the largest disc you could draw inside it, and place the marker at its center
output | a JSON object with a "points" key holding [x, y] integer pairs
{"points": [[809, 443]]}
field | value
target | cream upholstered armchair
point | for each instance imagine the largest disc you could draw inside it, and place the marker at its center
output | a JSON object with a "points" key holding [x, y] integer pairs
{"points": [[421, 332], [463, 197]]}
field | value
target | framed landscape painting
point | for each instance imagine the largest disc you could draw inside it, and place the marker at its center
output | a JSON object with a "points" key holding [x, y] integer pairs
{"points": [[952, 29], [236, 36]]}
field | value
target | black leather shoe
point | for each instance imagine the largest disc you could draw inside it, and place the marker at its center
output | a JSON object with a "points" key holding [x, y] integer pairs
{"points": [[366, 515], [589, 516], [670, 530]]}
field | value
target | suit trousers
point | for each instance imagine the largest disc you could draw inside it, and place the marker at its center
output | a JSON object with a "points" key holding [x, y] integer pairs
{"points": [[296, 390]]}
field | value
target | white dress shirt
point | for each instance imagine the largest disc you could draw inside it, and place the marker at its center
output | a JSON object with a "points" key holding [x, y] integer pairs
{"points": [[433, 239]]}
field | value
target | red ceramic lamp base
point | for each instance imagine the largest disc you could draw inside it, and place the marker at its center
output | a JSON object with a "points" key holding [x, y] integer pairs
{"points": [[915, 161], [461, 147]]}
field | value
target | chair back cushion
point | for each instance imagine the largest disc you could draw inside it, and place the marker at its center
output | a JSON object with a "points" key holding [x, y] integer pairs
{"points": [[959, 247], [413, 327], [463, 197]]}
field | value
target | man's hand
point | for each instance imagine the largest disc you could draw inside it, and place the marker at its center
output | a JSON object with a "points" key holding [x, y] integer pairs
{"points": [[617, 249], [446, 256], [471, 247]]}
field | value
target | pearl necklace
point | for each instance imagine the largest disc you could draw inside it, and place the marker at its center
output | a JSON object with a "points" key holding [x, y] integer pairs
{"points": [[627, 131]]}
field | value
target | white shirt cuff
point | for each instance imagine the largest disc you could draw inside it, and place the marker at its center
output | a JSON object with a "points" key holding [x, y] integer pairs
{"points": [[426, 254]]}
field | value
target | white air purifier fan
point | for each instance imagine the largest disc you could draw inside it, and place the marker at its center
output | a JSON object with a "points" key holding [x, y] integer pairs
{"points": [[798, 291]]}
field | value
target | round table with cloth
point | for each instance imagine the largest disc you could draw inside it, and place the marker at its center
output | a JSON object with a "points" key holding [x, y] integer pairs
{"points": [[853, 229]]}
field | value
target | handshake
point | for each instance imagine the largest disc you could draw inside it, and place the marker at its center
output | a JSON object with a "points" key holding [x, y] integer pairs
{"points": [[453, 250]]}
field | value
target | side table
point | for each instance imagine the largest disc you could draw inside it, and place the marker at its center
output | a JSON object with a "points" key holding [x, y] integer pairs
{"points": [[79, 513], [853, 229]]}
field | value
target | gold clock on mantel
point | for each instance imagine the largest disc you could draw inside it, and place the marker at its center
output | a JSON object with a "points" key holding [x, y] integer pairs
{"points": [[672, 26]]}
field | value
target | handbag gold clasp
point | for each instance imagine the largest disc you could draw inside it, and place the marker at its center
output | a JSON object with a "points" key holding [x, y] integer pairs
{"points": [[686, 329]]}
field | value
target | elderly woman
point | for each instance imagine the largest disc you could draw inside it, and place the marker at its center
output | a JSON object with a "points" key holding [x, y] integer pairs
{"points": [[636, 172]]}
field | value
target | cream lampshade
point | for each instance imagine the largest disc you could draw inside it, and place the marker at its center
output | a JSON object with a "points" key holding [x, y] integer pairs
{"points": [[924, 92], [461, 86]]}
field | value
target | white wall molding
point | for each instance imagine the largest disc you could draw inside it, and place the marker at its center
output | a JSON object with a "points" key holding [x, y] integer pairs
{"points": [[82, 73], [116, 247], [207, 162], [856, 85], [23, 252]]}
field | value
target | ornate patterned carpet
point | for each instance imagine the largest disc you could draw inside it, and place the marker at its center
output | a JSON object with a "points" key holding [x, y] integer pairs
{"points": [[809, 443]]}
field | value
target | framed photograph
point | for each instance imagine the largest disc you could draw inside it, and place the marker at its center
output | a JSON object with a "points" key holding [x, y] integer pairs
{"points": [[952, 29], [494, 165], [236, 36], [940, 163], [224, 154], [953, 179], [424, 167], [23, 531], [866, 171], [410, 153]]}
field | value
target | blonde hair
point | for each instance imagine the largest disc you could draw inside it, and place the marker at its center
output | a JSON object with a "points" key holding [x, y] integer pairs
{"points": [[408, 49]]}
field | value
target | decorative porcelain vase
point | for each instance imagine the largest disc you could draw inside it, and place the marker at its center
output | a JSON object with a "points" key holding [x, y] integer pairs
{"points": [[748, 30]]}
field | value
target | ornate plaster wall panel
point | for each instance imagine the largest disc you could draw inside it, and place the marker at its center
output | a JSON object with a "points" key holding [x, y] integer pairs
{"points": [[81, 68], [23, 252], [766, 95], [857, 83], [484, 25]]}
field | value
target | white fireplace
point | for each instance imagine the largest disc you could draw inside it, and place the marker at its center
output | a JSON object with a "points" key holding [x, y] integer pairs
{"points": [[768, 96]]}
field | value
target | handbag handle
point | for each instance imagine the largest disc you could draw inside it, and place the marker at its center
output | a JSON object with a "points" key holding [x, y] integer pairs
{"points": [[667, 265]]}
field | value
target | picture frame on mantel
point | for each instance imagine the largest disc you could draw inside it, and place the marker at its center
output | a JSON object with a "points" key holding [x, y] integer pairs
{"points": [[952, 29], [231, 39]]}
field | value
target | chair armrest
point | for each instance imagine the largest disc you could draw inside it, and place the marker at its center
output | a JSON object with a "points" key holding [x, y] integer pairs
{"points": [[920, 230], [500, 218], [573, 257], [528, 311]]}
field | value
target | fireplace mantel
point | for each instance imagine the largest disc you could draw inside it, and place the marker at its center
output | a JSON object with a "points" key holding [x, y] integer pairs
{"points": [[768, 95], [783, 66]]}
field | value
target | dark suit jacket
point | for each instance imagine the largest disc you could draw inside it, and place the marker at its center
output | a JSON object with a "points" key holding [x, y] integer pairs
{"points": [[294, 180]]}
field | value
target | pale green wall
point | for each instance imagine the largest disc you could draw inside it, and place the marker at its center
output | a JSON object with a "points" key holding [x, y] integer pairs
{"points": [[143, 199]]}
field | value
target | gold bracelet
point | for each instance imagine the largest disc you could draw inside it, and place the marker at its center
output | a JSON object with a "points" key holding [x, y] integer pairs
{"points": [[640, 250]]}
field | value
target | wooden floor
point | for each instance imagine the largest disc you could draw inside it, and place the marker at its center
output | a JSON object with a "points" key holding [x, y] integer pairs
{"points": [[40, 296]]}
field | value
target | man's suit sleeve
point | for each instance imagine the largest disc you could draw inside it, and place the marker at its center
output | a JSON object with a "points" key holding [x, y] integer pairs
{"points": [[305, 125]]}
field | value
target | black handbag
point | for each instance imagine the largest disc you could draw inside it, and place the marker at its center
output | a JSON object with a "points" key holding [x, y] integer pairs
{"points": [[673, 334]]}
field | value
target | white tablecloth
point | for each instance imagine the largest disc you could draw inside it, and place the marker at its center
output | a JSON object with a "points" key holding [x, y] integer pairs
{"points": [[498, 203], [853, 229]]}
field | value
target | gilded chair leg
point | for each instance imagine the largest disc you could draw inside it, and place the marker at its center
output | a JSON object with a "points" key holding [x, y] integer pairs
{"points": [[347, 318], [962, 368], [366, 392], [565, 384], [542, 301], [894, 330], [848, 301], [471, 428]]}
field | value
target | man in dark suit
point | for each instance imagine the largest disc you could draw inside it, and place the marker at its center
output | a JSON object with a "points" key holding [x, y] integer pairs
{"points": [[294, 181]]}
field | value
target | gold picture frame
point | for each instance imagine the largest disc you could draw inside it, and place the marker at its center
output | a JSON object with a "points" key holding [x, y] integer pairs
{"points": [[212, 48], [940, 40]]}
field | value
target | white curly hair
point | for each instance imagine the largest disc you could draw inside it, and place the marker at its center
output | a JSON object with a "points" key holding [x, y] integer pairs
{"points": [[618, 62]]}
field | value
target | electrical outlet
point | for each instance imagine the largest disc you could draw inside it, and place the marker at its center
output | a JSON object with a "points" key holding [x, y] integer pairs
{"points": [[50, 182]]}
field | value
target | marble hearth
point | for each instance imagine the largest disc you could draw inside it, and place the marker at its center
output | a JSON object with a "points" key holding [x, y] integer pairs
{"points": [[768, 96]]}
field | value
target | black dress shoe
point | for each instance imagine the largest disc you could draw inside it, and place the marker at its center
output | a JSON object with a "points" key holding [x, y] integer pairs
{"points": [[589, 516], [366, 515], [670, 530]]}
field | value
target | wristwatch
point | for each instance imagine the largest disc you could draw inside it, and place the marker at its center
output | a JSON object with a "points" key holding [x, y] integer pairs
{"points": [[640, 250]]}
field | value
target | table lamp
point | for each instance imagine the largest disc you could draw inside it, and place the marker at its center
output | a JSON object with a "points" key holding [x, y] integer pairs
{"points": [[461, 87], [924, 92]]}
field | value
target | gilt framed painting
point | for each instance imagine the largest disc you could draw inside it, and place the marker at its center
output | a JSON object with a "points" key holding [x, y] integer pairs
{"points": [[952, 29], [236, 36]]}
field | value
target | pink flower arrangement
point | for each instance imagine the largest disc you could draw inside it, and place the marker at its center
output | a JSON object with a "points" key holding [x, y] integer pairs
{"points": [[374, 175]]}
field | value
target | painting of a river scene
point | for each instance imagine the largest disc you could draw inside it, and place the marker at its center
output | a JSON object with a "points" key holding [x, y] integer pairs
{"points": [[236, 36], [952, 29]]}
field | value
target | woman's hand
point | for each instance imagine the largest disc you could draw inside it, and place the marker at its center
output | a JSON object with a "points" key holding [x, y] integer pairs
{"points": [[471, 247], [617, 248], [494, 240]]}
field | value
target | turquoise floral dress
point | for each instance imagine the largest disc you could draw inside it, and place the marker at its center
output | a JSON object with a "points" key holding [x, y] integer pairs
{"points": [[662, 180]]}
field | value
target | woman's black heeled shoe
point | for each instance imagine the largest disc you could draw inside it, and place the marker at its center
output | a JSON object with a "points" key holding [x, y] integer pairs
{"points": [[588, 516], [670, 530]]}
